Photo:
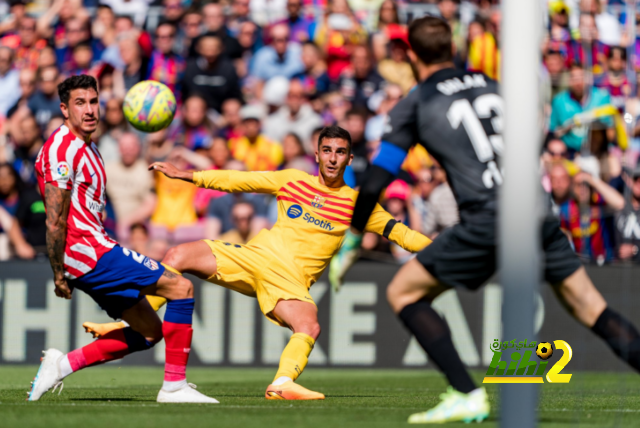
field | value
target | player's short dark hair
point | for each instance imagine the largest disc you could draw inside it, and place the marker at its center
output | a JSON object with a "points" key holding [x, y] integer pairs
{"points": [[335, 131], [430, 39], [82, 81]]}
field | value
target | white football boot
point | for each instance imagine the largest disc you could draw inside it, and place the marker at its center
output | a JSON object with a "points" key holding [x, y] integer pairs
{"points": [[456, 406], [48, 375], [186, 394]]}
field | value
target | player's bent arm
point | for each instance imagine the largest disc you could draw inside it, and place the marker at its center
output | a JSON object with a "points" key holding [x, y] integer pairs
{"points": [[382, 223], [57, 201]]}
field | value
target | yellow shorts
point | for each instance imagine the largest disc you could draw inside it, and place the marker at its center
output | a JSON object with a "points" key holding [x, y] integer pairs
{"points": [[253, 271]]}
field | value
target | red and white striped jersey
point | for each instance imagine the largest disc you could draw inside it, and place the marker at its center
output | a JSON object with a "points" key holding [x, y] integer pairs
{"points": [[68, 162]]}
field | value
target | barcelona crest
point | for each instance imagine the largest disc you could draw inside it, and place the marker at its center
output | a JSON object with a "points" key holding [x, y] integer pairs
{"points": [[318, 202]]}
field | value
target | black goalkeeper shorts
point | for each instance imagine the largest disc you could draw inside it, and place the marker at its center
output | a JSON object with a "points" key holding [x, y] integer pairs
{"points": [[465, 255]]}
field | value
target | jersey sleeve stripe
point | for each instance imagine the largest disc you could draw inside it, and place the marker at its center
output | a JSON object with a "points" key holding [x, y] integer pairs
{"points": [[326, 195]]}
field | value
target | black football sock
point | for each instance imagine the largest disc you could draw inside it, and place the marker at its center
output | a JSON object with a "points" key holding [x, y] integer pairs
{"points": [[434, 336], [621, 336]]}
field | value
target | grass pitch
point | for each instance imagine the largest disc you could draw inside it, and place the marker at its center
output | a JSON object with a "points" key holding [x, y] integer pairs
{"points": [[113, 397]]}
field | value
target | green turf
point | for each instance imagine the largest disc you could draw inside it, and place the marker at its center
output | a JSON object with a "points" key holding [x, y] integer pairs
{"points": [[113, 397]]}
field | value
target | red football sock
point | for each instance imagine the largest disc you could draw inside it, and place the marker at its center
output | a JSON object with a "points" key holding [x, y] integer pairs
{"points": [[177, 338], [111, 346]]}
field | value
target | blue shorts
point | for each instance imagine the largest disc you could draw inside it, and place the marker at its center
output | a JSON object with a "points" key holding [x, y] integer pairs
{"points": [[116, 281]]}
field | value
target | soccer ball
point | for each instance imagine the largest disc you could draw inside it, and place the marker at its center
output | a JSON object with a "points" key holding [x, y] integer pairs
{"points": [[149, 106], [544, 350]]}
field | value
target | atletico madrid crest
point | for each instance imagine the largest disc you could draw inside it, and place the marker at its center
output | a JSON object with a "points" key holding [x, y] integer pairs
{"points": [[318, 202]]}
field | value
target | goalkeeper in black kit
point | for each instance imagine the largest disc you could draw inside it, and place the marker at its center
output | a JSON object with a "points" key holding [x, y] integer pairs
{"points": [[457, 116]]}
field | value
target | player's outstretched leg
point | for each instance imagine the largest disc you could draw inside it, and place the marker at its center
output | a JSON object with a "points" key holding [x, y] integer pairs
{"points": [[410, 295], [586, 304], [178, 332], [302, 318], [98, 329], [145, 330]]}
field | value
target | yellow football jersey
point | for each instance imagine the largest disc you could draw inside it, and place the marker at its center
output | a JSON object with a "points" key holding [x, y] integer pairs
{"points": [[312, 219]]}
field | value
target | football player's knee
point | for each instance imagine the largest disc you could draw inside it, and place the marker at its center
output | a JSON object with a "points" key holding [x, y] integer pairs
{"points": [[174, 258], [311, 328]]}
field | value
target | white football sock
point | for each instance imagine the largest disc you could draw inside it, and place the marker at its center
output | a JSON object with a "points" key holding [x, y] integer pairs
{"points": [[174, 386], [64, 367], [281, 380]]}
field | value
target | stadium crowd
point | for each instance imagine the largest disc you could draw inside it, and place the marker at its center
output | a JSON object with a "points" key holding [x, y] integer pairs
{"points": [[256, 81]]}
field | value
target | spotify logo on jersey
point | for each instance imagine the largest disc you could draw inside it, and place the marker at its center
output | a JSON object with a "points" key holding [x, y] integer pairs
{"points": [[294, 211]]}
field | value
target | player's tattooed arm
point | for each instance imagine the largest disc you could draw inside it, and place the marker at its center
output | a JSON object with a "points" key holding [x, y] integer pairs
{"points": [[57, 201], [167, 273]]}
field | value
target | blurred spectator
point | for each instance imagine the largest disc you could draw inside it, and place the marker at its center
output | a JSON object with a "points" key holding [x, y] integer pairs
{"points": [[584, 206], [296, 116], [360, 81], [44, 103], [112, 126], [484, 51], [53, 23], [242, 215], [214, 22], [442, 209], [314, 77], [231, 124], [191, 28], [449, 12], [337, 108], [609, 28], [615, 79], [194, 130], [9, 81], [280, 58], [210, 75], [129, 184], [587, 49], [158, 147], [10, 188], [76, 32], [47, 58], [295, 155], [301, 28], [396, 69], [28, 142], [137, 9], [166, 66], [139, 238], [338, 34], [355, 125], [628, 221], [10, 227], [135, 66], [82, 61], [173, 11], [254, 149], [27, 81], [558, 74], [32, 218], [26, 44], [174, 207], [239, 15], [579, 98], [388, 28], [103, 26]]}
